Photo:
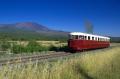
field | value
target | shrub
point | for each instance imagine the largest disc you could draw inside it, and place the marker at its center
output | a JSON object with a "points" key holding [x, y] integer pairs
{"points": [[4, 45], [30, 48]]}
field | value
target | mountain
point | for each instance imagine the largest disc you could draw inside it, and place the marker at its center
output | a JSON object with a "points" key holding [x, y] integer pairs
{"points": [[30, 30], [31, 26]]}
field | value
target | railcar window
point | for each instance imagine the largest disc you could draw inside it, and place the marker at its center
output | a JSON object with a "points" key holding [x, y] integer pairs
{"points": [[96, 38], [76, 36], [81, 37], [85, 37], [88, 37], [73, 37], [92, 38]]}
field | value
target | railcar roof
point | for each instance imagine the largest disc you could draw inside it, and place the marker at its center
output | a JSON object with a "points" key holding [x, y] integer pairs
{"points": [[86, 34]]}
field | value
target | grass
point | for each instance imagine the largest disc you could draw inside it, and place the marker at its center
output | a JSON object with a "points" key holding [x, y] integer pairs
{"points": [[17, 47], [28, 48], [103, 64], [44, 43]]}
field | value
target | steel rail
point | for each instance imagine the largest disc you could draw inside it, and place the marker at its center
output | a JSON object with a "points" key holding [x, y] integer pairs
{"points": [[32, 58]]}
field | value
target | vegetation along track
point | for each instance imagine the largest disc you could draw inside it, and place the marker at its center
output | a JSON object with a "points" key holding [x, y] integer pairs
{"points": [[40, 57]]}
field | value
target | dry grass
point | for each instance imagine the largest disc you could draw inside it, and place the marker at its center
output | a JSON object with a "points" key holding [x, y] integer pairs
{"points": [[102, 65], [44, 43], [52, 43]]}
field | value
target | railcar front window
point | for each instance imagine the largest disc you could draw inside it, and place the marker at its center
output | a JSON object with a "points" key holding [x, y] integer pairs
{"points": [[71, 36]]}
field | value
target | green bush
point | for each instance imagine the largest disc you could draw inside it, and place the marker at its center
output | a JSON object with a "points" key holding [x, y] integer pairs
{"points": [[4, 45], [18, 49], [30, 48], [35, 47]]}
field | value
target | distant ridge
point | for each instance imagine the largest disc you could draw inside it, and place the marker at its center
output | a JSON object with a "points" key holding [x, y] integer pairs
{"points": [[32, 26], [27, 26], [30, 30]]}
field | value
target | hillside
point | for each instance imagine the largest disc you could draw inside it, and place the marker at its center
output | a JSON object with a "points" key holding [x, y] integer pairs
{"points": [[29, 31], [29, 26]]}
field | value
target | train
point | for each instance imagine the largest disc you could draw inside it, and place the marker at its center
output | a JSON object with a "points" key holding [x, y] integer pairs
{"points": [[79, 41]]}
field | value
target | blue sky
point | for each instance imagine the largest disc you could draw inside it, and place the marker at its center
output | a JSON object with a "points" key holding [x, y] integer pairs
{"points": [[66, 15]]}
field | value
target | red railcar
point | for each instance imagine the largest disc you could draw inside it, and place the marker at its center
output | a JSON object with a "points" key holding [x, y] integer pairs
{"points": [[82, 41]]}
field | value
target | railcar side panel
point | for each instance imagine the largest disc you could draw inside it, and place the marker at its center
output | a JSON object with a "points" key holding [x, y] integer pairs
{"points": [[86, 44]]}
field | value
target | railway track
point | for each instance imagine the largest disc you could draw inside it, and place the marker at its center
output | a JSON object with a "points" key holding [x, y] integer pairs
{"points": [[39, 57], [32, 58]]}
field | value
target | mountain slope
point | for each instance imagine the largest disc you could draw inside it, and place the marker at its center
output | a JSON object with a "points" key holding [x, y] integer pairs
{"points": [[31, 26], [30, 31]]}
